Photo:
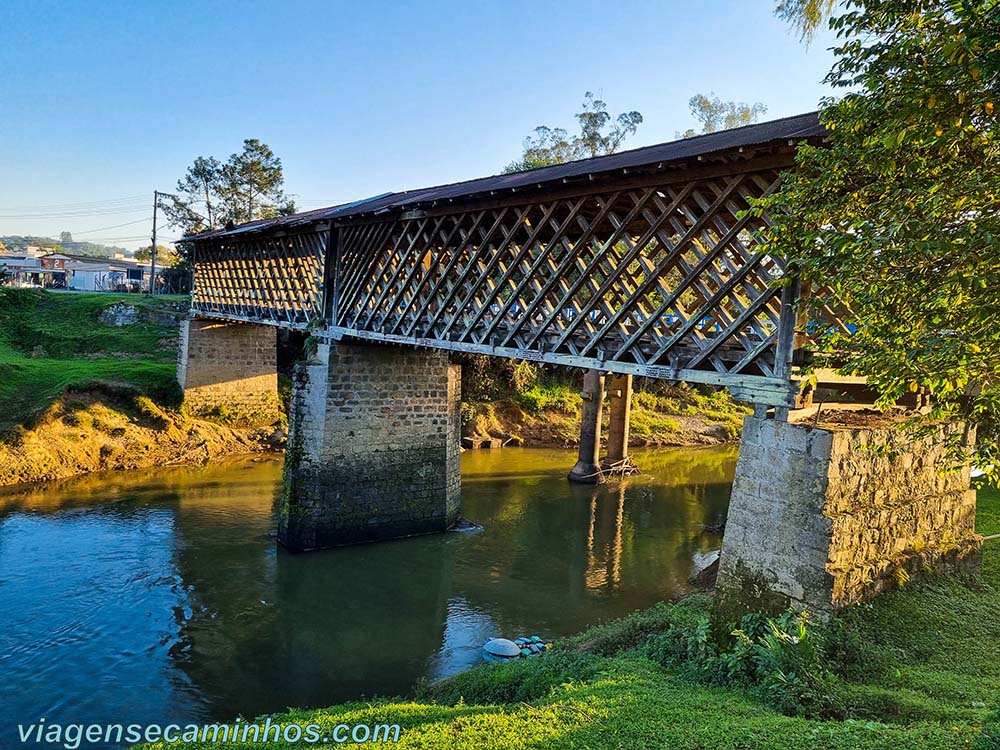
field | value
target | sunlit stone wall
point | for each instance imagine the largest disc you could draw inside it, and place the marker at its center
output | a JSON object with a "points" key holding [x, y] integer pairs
{"points": [[829, 518], [229, 370], [373, 447]]}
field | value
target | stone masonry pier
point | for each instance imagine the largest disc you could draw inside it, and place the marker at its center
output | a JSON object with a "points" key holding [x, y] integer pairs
{"points": [[229, 369], [373, 446], [827, 518]]}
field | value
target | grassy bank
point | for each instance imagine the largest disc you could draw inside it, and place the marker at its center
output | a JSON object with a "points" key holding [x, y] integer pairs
{"points": [[52, 342], [916, 669], [535, 405], [79, 395]]}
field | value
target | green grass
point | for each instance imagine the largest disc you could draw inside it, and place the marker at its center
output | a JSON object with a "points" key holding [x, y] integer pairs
{"points": [[52, 342], [558, 397], [923, 664]]}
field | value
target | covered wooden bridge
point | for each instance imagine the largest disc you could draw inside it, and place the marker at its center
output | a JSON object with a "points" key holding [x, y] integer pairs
{"points": [[643, 262]]}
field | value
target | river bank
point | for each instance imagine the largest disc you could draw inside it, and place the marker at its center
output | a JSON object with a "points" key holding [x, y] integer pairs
{"points": [[918, 668], [88, 383], [113, 429]]}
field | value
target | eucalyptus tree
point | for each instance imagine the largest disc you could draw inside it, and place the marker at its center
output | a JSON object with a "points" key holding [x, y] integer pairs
{"points": [[600, 134]]}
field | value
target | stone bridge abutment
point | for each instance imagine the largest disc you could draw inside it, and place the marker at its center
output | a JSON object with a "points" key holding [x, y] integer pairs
{"points": [[229, 370]]}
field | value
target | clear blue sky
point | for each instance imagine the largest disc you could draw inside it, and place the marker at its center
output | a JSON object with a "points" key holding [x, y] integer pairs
{"points": [[109, 100]]}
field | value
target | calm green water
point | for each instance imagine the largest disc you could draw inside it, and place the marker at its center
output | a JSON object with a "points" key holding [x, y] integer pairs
{"points": [[161, 596]]}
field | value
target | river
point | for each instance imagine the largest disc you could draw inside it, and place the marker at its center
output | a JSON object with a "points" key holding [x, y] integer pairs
{"points": [[161, 595]]}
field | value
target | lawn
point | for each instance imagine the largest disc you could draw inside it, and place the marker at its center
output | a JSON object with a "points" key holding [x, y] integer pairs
{"points": [[917, 669], [51, 342]]}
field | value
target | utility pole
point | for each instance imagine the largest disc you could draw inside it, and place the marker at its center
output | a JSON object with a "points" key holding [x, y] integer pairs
{"points": [[152, 253]]}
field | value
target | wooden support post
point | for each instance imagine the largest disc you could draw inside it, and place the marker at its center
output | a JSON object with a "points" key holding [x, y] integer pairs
{"points": [[587, 469], [620, 393]]}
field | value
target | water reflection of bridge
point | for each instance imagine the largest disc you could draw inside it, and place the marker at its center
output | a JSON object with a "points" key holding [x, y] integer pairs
{"points": [[244, 627]]}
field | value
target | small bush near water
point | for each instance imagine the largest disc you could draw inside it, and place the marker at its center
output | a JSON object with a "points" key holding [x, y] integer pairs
{"points": [[784, 658]]}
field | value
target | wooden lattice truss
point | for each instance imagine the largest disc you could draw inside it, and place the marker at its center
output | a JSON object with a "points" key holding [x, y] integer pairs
{"points": [[265, 279], [665, 279]]}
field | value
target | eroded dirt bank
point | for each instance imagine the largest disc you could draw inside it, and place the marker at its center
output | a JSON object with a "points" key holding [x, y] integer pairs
{"points": [[88, 431]]}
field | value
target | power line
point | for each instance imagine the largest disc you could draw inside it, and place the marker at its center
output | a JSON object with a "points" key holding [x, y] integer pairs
{"points": [[131, 238], [72, 206], [114, 226], [76, 214]]}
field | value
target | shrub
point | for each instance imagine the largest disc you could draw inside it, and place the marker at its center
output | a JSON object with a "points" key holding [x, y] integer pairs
{"points": [[691, 648], [782, 657], [631, 632], [551, 397], [790, 664]]}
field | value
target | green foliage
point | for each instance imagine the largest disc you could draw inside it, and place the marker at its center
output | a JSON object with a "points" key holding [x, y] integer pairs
{"points": [[790, 665], [805, 16], [74, 350], [990, 738], [897, 219], [247, 186], [645, 424], [486, 378], [631, 632], [600, 134], [652, 409], [165, 256], [557, 397], [782, 657], [284, 393]]}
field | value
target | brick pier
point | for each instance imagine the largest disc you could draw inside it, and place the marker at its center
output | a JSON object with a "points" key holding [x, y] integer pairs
{"points": [[229, 369], [373, 446]]}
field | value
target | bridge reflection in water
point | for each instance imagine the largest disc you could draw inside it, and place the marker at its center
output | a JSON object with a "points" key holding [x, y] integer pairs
{"points": [[207, 618]]}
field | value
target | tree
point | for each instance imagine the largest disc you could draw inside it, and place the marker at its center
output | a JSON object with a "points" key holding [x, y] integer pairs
{"points": [[193, 209], [212, 194], [897, 217], [805, 16], [251, 185], [165, 256], [715, 114], [600, 134], [65, 238]]}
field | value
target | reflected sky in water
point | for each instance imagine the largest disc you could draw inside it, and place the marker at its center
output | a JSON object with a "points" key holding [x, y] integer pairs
{"points": [[161, 595]]}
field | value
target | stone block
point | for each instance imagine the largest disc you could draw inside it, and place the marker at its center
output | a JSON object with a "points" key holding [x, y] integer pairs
{"points": [[827, 518], [229, 370]]}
